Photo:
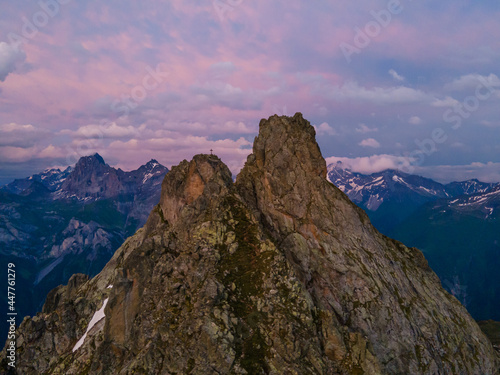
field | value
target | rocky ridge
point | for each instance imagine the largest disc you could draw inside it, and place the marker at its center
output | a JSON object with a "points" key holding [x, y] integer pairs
{"points": [[276, 273]]}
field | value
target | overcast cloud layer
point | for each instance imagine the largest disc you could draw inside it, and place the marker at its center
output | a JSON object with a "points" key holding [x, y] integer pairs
{"points": [[416, 82]]}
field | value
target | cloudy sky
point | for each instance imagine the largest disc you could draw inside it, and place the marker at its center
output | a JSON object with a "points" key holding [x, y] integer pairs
{"points": [[388, 84]]}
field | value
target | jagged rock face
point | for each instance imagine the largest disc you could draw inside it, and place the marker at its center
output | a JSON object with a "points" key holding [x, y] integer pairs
{"points": [[279, 273], [376, 297], [92, 177]]}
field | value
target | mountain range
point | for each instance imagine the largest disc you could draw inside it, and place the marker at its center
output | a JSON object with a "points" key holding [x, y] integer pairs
{"points": [[275, 273], [58, 223], [456, 225], [391, 196]]}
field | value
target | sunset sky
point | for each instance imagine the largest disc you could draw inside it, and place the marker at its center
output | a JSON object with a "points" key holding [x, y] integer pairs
{"points": [[388, 84]]}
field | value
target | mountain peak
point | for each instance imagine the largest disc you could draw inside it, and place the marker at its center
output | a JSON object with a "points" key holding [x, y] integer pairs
{"points": [[152, 164], [91, 177], [278, 272], [204, 176], [287, 143], [90, 162], [99, 158]]}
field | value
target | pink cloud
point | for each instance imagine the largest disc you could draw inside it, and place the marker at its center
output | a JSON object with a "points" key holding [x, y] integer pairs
{"points": [[170, 151], [225, 75]]}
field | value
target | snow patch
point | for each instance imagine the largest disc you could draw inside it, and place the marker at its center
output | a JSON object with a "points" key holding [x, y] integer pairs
{"points": [[377, 182], [147, 176], [491, 211], [431, 192], [374, 202], [95, 319]]}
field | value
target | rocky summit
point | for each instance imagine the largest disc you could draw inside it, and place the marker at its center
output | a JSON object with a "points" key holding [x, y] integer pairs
{"points": [[277, 273]]}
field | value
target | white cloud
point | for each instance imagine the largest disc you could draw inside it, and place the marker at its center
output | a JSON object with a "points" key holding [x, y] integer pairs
{"points": [[52, 152], [22, 154], [10, 58], [223, 94], [17, 154], [379, 95], [19, 135], [458, 145], [222, 70], [111, 130], [176, 147], [168, 127], [472, 81], [226, 66], [415, 120], [486, 172], [195, 127], [491, 124], [446, 102], [371, 164], [232, 127], [22, 143], [324, 128], [396, 76], [363, 129], [369, 142]]}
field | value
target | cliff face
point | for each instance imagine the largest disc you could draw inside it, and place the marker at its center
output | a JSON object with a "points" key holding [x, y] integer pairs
{"points": [[93, 179], [277, 273]]}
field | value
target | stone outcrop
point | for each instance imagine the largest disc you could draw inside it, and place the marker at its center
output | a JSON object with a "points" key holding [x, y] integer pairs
{"points": [[278, 273]]}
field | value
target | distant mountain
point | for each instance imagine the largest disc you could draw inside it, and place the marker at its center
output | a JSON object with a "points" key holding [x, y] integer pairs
{"points": [[468, 187], [483, 205], [52, 179], [457, 227], [58, 223], [391, 196]]}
